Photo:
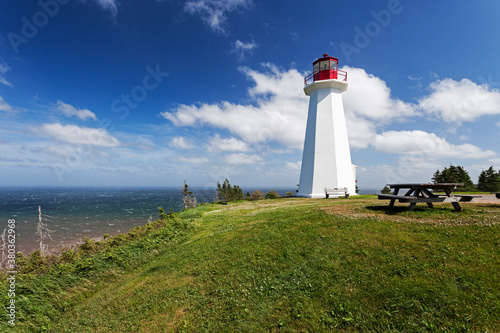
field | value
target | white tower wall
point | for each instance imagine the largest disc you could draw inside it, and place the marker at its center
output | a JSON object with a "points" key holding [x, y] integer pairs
{"points": [[326, 159]]}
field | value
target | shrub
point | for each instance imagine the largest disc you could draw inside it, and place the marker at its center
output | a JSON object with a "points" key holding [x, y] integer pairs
{"points": [[256, 195], [88, 245], [386, 190], [272, 195]]}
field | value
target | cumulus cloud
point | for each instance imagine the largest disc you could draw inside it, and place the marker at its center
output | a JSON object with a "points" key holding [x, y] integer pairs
{"points": [[278, 112], [242, 48], [77, 135], [278, 108], [4, 69], [426, 144], [369, 97], [217, 143], [69, 110], [214, 12], [458, 101], [180, 142]]}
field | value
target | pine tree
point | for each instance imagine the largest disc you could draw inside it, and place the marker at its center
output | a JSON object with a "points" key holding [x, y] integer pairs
{"points": [[226, 192], [188, 198], [386, 190], [489, 180], [454, 174]]}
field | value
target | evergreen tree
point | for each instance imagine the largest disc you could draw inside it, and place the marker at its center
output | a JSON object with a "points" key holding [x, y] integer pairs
{"points": [[454, 174], [226, 192], [386, 190], [489, 180], [188, 198]]}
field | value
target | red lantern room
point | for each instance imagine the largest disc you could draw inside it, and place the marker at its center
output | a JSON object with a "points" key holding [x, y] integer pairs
{"points": [[325, 68]]}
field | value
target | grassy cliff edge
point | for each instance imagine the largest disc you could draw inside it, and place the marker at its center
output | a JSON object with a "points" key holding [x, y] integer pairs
{"points": [[279, 265]]}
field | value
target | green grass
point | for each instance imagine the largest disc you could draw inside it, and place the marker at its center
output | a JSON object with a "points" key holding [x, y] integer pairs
{"points": [[288, 265]]}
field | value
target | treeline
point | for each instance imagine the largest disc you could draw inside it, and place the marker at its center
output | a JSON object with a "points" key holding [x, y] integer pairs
{"points": [[226, 193], [488, 180]]}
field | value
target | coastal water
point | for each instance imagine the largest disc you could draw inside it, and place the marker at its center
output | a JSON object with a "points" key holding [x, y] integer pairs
{"points": [[72, 213]]}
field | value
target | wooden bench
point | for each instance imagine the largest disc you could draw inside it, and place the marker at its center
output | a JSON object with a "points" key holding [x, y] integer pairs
{"points": [[401, 198], [467, 197], [337, 191]]}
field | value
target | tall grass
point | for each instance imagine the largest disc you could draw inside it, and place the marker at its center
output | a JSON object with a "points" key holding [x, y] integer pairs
{"points": [[282, 265]]}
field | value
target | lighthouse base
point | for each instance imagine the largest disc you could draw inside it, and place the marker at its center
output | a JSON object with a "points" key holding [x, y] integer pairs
{"points": [[322, 195]]}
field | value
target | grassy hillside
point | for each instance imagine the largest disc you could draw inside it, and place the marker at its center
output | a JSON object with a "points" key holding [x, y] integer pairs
{"points": [[281, 265]]}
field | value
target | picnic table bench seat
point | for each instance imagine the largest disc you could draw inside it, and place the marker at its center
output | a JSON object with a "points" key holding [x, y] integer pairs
{"points": [[401, 198], [467, 197]]}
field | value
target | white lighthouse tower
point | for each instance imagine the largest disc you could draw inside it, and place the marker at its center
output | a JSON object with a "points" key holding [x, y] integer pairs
{"points": [[326, 160]]}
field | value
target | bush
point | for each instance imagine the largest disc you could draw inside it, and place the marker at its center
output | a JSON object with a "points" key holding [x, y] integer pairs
{"points": [[272, 195], [386, 190], [256, 195]]}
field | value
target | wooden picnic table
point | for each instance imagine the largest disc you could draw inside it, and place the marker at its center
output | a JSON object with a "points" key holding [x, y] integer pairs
{"points": [[424, 192]]}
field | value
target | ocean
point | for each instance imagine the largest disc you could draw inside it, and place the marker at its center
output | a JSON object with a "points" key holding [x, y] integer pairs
{"points": [[74, 213]]}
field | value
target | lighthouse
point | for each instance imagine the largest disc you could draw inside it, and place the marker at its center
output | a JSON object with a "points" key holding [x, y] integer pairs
{"points": [[326, 161]]}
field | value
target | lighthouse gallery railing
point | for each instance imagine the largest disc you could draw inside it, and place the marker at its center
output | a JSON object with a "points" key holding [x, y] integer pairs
{"points": [[341, 75]]}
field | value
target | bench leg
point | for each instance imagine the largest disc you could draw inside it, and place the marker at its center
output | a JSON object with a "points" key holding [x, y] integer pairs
{"points": [[412, 206], [393, 201], [457, 206], [430, 204]]}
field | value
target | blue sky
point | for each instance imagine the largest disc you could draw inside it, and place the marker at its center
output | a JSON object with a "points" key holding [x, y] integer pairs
{"points": [[149, 93]]}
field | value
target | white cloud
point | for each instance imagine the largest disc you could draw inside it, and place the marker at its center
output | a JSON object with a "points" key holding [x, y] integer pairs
{"points": [[242, 48], [217, 143], [193, 160], [69, 111], [180, 142], [4, 69], [426, 144], [369, 97], [214, 12], [278, 112], [294, 166], [278, 109], [4, 106], [240, 158], [110, 5], [77, 135], [458, 101]]}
